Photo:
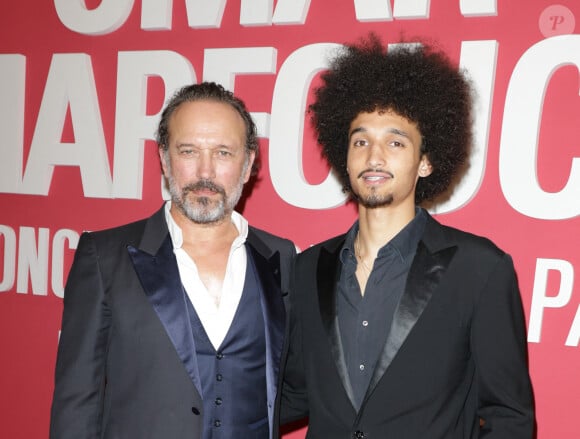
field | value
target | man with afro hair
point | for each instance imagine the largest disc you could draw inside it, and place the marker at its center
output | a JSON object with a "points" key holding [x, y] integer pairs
{"points": [[403, 328]]}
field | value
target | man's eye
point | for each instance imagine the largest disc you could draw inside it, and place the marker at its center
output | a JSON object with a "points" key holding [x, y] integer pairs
{"points": [[359, 142]]}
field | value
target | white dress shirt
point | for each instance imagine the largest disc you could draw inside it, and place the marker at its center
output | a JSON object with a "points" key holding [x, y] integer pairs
{"points": [[216, 319]]}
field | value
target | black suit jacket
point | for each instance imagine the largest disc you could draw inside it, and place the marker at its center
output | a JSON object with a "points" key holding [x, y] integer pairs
{"points": [[126, 365], [456, 352]]}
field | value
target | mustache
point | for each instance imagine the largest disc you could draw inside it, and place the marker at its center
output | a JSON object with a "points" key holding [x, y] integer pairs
{"points": [[204, 184], [381, 171]]}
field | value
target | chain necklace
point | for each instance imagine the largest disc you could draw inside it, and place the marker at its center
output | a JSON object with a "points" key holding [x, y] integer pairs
{"points": [[358, 255]]}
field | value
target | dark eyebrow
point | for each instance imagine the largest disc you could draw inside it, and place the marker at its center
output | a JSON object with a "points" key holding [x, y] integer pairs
{"points": [[390, 130], [193, 145], [356, 130], [399, 133]]}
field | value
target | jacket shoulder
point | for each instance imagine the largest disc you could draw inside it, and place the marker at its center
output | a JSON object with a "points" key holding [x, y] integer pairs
{"points": [[120, 231], [331, 245], [274, 242], [437, 234], [118, 238]]}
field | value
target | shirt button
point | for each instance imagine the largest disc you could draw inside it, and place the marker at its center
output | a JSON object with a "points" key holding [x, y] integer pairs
{"points": [[217, 423], [365, 323], [362, 367], [219, 356], [218, 401], [219, 377]]}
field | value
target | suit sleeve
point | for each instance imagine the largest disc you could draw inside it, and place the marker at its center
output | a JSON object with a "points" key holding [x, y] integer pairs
{"points": [[294, 395], [499, 346], [80, 367]]}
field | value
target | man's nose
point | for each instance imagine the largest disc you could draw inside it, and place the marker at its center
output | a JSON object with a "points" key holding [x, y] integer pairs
{"points": [[376, 156], [206, 165]]}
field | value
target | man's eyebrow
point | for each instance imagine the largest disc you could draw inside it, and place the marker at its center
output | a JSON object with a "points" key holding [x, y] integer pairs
{"points": [[396, 131], [399, 132], [193, 145], [356, 130]]}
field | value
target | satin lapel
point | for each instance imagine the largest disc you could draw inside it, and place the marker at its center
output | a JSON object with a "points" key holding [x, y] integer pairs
{"points": [[267, 266], [268, 271], [160, 280], [328, 275], [424, 276]]}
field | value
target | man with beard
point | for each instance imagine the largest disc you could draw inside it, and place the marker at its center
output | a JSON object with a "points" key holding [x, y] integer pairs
{"points": [[173, 326], [403, 327]]}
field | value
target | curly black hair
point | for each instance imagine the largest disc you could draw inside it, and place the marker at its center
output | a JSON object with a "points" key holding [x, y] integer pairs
{"points": [[416, 82], [208, 91]]}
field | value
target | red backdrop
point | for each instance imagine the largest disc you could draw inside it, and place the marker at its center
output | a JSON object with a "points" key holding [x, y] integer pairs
{"points": [[81, 86]]}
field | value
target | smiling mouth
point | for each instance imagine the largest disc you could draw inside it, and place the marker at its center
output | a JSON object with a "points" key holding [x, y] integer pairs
{"points": [[375, 176], [377, 172]]}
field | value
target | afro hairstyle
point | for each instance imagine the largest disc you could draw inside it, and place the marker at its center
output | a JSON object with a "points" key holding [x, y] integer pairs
{"points": [[415, 81]]}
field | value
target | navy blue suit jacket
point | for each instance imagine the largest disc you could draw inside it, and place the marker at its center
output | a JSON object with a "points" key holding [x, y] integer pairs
{"points": [[126, 365]]}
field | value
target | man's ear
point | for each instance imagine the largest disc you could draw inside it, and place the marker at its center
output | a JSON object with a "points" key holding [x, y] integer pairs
{"points": [[162, 155], [248, 173], [425, 167]]}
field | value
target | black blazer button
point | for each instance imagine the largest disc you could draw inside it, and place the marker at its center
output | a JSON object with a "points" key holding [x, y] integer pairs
{"points": [[195, 410], [358, 435]]}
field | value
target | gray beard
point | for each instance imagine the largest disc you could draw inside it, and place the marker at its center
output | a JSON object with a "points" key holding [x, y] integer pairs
{"points": [[204, 210]]}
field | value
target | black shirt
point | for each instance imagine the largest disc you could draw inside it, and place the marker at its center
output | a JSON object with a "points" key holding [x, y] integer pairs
{"points": [[365, 321]]}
